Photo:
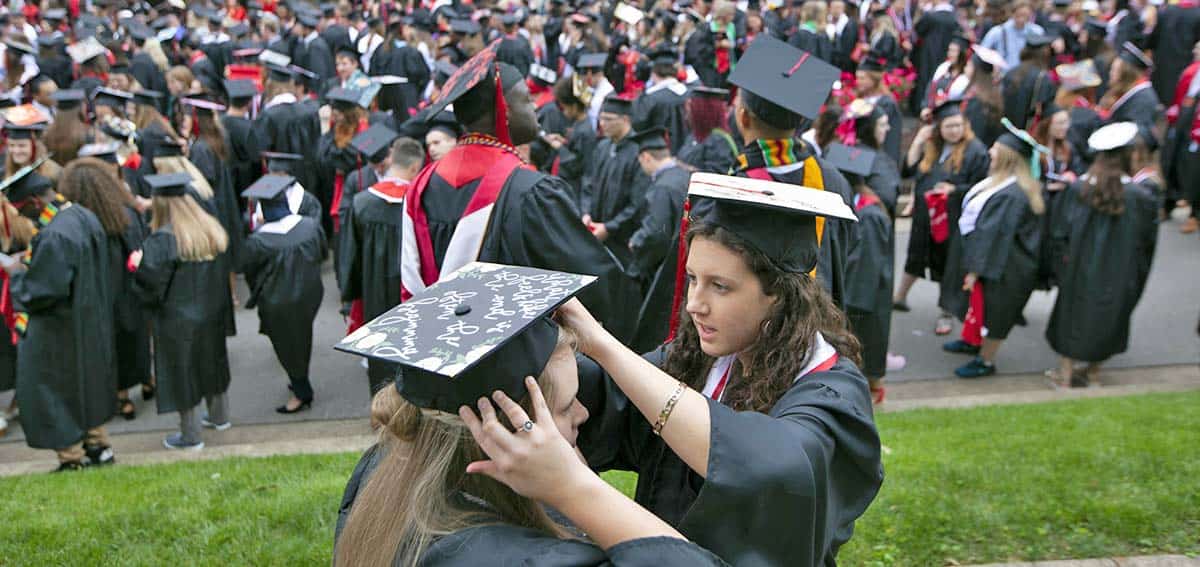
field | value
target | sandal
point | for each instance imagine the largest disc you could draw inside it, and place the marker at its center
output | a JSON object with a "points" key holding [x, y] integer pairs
{"points": [[126, 408], [944, 326], [1055, 380]]}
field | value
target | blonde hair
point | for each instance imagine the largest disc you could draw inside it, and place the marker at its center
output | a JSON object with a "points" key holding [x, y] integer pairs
{"points": [[181, 74], [409, 500], [199, 237], [884, 24], [154, 49], [1009, 163], [180, 164], [16, 231]]}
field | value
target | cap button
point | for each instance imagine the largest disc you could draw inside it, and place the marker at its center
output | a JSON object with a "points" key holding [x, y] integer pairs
{"points": [[462, 309]]}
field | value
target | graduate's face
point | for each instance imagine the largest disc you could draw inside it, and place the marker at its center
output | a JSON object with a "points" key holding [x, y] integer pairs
{"points": [[522, 114], [882, 127], [614, 126], [1060, 124], [21, 151], [568, 413], [952, 129], [725, 299], [345, 66], [439, 143]]}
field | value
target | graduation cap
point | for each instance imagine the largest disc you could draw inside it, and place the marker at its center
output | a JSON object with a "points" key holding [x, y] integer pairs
{"points": [[664, 54], [111, 97], [628, 14], [25, 115], [1095, 26], [103, 151], [1134, 56], [388, 80], [1113, 136], [361, 97], [147, 97], [169, 146], [51, 40], [464, 26], [444, 121], [710, 92], [119, 67], [614, 104], [778, 219], [327, 8], [510, 19], [947, 108], [348, 51], [67, 99], [1024, 144], [780, 83], [482, 328], [169, 184], [581, 18], [854, 160], [651, 139], [544, 75], [308, 19], [592, 61], [25, 183], [1036, 40], [300, 73], [83, 51], [274, 58], [269, 187], [201, 104], [478, 87], [139, 31], [374, 142], [240, 90], [21, 46], [989, 59], [282, 74], [964, 42], [23, 131], [239, 30], [1077, 76], [280, 161]]}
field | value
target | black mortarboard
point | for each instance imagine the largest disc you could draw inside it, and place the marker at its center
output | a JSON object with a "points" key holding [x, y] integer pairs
{"points": [[308, 19], [168, 146], [510, 19], [280, 161], [1018, 140], [300, 73], [341, 97], [119, 67], [614, 104], [464, 26], [276, 73], [23, 131], [348, 51], [20, 46], [25, 183], [778, 219], [147, 97], [1131, 54], [480, 329], [240, 89], [964, 42], [269, 187], [443, 70], [444, 121], [139, 31], [592, 61], [1095, 26], [855, 160], [664, 54], [780, 83], [947, 108], [106, 151], [239, 30], [873, 62], [51, 40], [472, 89], [169, 184], [1038, 40], [710, 92], [374, 142], [111, 97], [651, 139], [1113, 136], [67, 99]]}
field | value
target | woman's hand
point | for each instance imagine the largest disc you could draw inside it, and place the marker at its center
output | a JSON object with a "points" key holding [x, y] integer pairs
{"points": [[588, 330], [943, 188], [969, 281], [535, 460]]}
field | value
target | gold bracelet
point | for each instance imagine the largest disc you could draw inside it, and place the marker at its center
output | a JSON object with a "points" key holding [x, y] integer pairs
{"points": [[665, 414]]}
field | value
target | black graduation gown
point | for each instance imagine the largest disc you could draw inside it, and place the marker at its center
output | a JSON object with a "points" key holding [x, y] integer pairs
{"points": [[843, 46], [662, 106], [58, 68], [655, 252], [500, 543], [131, 323], [356, 181], [189, 302], [205, 71], [818, 44], [933, 31], [615, 193], [1026, 91], [551, 120], [367, 268], [1142, 108], [1084, 121], [699, 51], [66, 372], [291, 128], [925, 258], [147, 73], [783, 488], [283, 272], [1174, 35], [317, 57], [225, 199], [336, 36], [515, 51], [884, 179], [1102, 265], [245, 167], [985, 127], [402, 61], [576, 158], [891, 143], [716, 154], [1003, 252], [869, 268]]}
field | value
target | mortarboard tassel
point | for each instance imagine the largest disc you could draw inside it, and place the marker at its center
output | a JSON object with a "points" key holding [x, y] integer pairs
{"points": [[680, 271], [501, 112]]}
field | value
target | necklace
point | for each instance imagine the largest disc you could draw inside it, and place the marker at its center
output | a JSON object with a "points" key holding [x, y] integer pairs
{"points": [[479, 139]]}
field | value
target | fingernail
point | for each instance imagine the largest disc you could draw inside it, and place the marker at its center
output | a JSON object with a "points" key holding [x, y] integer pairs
{"points": [[529, 381]]}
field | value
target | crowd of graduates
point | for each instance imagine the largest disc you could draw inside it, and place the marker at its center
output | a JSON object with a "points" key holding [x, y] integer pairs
{"points": [[156, 153]]}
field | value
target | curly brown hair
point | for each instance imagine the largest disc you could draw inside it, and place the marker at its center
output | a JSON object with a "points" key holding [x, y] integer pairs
{"points": [[94, 184], [1104, 189], [802, 310]]}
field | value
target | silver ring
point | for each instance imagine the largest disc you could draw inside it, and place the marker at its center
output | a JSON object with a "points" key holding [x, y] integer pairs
{"points": [[527, 426]]}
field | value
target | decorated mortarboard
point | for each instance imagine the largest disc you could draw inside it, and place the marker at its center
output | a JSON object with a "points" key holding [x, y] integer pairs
{"points": [[615, 104], [543, 74], [107, 151], [856, 160], [347, 97], [111, 97], [990, 59], [374, 142], [20, 46], [83, 51], [592, 61], [477, 87], [947, 108], [269, 187], [251, 52], [628, 14], [581, 18], [779, 82], [269, 57], [1078, 75], [464, 26], [651, 139], [25, 183], [710, 92], [240, 89], [1024, 144], [68, 98], [779, 219], [169, 184], [147, 97], [23, 131], [202, 104], [25, 115], [1038, 39], [1113, 136], [1134, 56], [482, 328]]}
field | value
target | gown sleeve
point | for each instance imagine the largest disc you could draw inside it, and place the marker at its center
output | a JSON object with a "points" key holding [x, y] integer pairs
{"points": [[865, 262], [986, 249], [653, 236], [153, 276], [48, 280], [349, 264]]}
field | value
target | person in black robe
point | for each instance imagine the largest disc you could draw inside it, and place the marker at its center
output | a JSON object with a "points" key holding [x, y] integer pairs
{"points": [[514, 49], [653, 240], [52, 62], [1029, 87], [699, 51], [661, 105], [201, 65], [300, 200], [1130, 97], [533, 221], [1172, 40], [141, 65], [244, 166], [934, 30], [1103, 235], [66, 371], [709, 146], [336, 156], [336, 33], [312, 52], [870, 86], [845, 37], [810, 32], [576, 152], [210, 152], [187, 294], [985, 102], [871, 128], [992, 265], [611, 201], [397, 58], [282, 263], [283, 127]]}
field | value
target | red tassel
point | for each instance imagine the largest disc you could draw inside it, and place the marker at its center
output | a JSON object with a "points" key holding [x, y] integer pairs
{"points": [[501, 112], [680, 272]]}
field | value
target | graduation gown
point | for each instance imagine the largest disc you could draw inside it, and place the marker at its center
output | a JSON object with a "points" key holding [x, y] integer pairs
{"points": [[615, 193], [225, 201], [782, 488], [1174, 35], [926, 258], [891, 143], [316, 56], [283, 271], [662, 106], [515, 51], [66, 372], [1102, 262], [58, 68], [147, 73], [985, 127], [1140, 106], [206, 72], [245, 167], [131, 323], [884, 180], [655, 250], [818, 44], [869, 268], [189, 302], [499, 543], [364, 178], [1003, 252], [1026, 91], [289, 127], [402, 60], [576, 158], [716, 154], [1084, 121], [933, 30]]}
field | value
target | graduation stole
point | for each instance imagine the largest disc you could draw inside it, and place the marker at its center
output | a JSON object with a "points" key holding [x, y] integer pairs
{"points": [[20, 320], [783, 155]]}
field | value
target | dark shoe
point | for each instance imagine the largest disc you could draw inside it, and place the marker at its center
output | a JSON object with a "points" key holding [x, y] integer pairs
{"points": [[126, 409], [304, 404], [204, 421], [1079, 379], [977, 368], [148, 392], [71, 466], [960, 347], [900, 306], [100, 455], [175, 441]]}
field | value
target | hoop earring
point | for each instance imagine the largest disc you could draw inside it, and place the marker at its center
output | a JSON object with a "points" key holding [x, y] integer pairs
{"points": [[766, 326]]}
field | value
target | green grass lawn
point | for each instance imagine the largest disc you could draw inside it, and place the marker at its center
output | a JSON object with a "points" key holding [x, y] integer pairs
{"points": [[1088, 478]]}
